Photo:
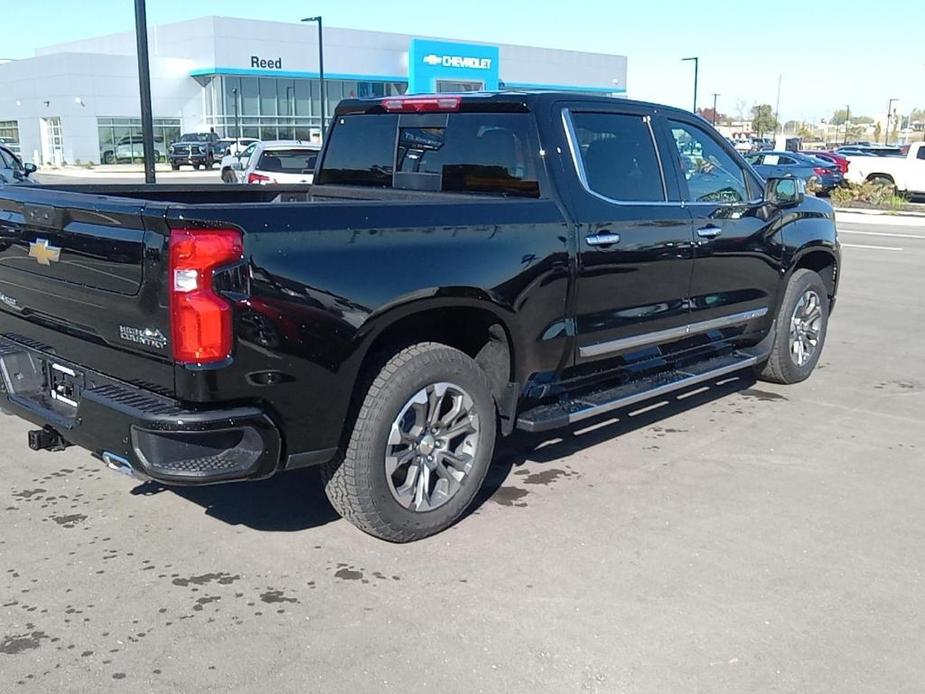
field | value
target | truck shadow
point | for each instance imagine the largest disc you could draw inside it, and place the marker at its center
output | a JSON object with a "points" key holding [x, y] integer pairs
{"points": [[295, 501], [543, 448]]}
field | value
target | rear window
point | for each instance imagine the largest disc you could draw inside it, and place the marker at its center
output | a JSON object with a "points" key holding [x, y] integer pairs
{"points": [[295, 161], [455, 153]]}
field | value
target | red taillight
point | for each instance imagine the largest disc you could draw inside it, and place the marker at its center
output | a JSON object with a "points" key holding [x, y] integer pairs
{"points": [[422, 104], [819, 171], [253, 177], [200, 320]]}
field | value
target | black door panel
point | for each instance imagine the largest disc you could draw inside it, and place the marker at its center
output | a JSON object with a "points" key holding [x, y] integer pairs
{"points": [[635, 249], [736, 268]]}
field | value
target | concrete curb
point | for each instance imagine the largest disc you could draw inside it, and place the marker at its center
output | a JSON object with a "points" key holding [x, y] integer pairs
{"points": [[879, 218]]}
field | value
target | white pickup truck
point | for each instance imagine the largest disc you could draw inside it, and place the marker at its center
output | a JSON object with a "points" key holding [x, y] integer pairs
{"points": [[906, 173]]}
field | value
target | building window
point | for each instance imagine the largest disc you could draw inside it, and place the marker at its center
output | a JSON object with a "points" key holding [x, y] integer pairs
{"points": [[9, 134], [272, 108], [121, 143]]}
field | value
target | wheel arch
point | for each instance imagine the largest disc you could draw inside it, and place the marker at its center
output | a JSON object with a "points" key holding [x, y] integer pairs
{"points": [[821, 259], [871, 176], [466, 319]]}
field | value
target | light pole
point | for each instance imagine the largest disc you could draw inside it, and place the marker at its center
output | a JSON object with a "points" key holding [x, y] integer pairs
{"points": [[320, 68], [696, 60], [144, 89], [715, 97], [847, 121], [889, 111], [237, 123]]}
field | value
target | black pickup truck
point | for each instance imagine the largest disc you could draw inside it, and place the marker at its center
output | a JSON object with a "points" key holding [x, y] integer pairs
{"points": [[463, 266]]}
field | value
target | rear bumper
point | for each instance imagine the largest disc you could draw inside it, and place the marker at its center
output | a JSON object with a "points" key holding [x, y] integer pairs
{"points": [[155, 437]]}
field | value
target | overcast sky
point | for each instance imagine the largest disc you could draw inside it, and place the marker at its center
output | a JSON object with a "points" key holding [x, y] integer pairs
{"points": [[827, 53]]}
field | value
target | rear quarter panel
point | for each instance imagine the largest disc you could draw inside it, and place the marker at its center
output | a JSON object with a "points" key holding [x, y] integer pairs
{"points": [[328, 278]]}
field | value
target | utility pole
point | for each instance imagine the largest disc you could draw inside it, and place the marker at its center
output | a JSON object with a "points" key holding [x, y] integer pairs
{"points": [[889, 111], [780, 79], [715, 96], [144, 89], [320, 69], [696, 60], [847, 120]]}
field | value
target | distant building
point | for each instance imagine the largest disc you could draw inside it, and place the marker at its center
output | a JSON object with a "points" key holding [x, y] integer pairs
{"points": [[79, 100]]}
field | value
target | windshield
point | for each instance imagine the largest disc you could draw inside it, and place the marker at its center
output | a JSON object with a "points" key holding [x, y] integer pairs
{"points": [[194, 137]]}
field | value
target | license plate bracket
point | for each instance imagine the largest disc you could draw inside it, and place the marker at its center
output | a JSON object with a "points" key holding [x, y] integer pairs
{"points": [[64, 384]]}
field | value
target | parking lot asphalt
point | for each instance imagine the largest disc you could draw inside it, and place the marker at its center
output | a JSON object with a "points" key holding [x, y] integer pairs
{"points": [[743, 537]]}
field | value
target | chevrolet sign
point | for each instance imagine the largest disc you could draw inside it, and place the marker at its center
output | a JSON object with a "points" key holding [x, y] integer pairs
{"points": [[457, 61]]}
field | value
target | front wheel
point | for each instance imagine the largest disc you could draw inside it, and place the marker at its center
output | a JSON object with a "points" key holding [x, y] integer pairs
{"points": [[802, 322], [420, 447]]}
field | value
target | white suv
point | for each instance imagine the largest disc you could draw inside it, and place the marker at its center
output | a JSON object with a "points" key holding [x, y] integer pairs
{"points": [[280, 161]]}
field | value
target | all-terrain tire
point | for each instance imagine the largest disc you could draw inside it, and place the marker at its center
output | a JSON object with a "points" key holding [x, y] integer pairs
{"points": [[781, 366], [357, 485]]}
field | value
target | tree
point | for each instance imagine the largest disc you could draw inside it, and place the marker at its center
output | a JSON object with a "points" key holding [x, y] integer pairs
{"points": [[917, 115], [763, 120], [707, 113], [841, 115]]}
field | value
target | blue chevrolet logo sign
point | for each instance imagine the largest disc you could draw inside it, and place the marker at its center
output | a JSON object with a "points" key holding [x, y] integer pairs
{"points": [[431, 61], [458, 61]]}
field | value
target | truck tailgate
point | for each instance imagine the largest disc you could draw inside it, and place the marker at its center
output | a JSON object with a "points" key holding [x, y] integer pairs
{"points": [[81, 277]]}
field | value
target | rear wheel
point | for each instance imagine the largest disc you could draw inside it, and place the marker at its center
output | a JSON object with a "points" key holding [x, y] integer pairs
{"points": [[802, 322], [196, 166], [175, 167], [881, 180], [420, 447], [228, 176]]}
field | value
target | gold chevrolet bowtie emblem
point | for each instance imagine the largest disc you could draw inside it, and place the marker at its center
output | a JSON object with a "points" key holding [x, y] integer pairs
{"points": [[43, 253]]}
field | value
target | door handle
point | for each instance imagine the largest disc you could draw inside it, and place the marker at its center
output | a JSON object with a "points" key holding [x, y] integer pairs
{"points": [[604, 238], [709, 232]]}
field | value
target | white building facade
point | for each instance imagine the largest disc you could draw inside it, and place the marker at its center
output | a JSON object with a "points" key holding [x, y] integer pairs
{"points": [[78, 102]]}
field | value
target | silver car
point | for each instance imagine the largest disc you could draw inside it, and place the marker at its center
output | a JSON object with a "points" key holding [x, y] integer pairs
{"points": [[12, 170]]}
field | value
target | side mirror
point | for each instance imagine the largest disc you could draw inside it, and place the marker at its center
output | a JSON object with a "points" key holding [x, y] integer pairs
{"points": [[784, 192], [30, 168]]}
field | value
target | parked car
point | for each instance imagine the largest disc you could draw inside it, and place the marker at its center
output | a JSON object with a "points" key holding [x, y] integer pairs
{"points": [[230, 145], [869, 151], [831, 157], [12, 170], [195, 149], [278, 161], [906, 174], [826, 175], [233, 152], [462, 265]]}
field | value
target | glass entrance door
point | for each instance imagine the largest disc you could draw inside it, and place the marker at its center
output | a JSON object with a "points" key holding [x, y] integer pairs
{"points": [[52, 141]]}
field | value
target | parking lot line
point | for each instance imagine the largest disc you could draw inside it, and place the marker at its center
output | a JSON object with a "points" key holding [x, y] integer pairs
{"points": [[875, 248], [881, 233]]}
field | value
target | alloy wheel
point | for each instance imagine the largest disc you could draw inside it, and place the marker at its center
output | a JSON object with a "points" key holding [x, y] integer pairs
{"points": [[805, 328], [432, 445]]}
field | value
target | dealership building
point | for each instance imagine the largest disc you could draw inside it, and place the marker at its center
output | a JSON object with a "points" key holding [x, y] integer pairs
{"points": [[78, 102]]}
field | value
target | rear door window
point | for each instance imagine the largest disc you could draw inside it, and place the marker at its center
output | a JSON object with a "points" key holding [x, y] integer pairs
{"points": [[618, 156]]}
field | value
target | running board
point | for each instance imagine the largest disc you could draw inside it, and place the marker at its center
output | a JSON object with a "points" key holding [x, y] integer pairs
{"points": [[563, 413]]}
